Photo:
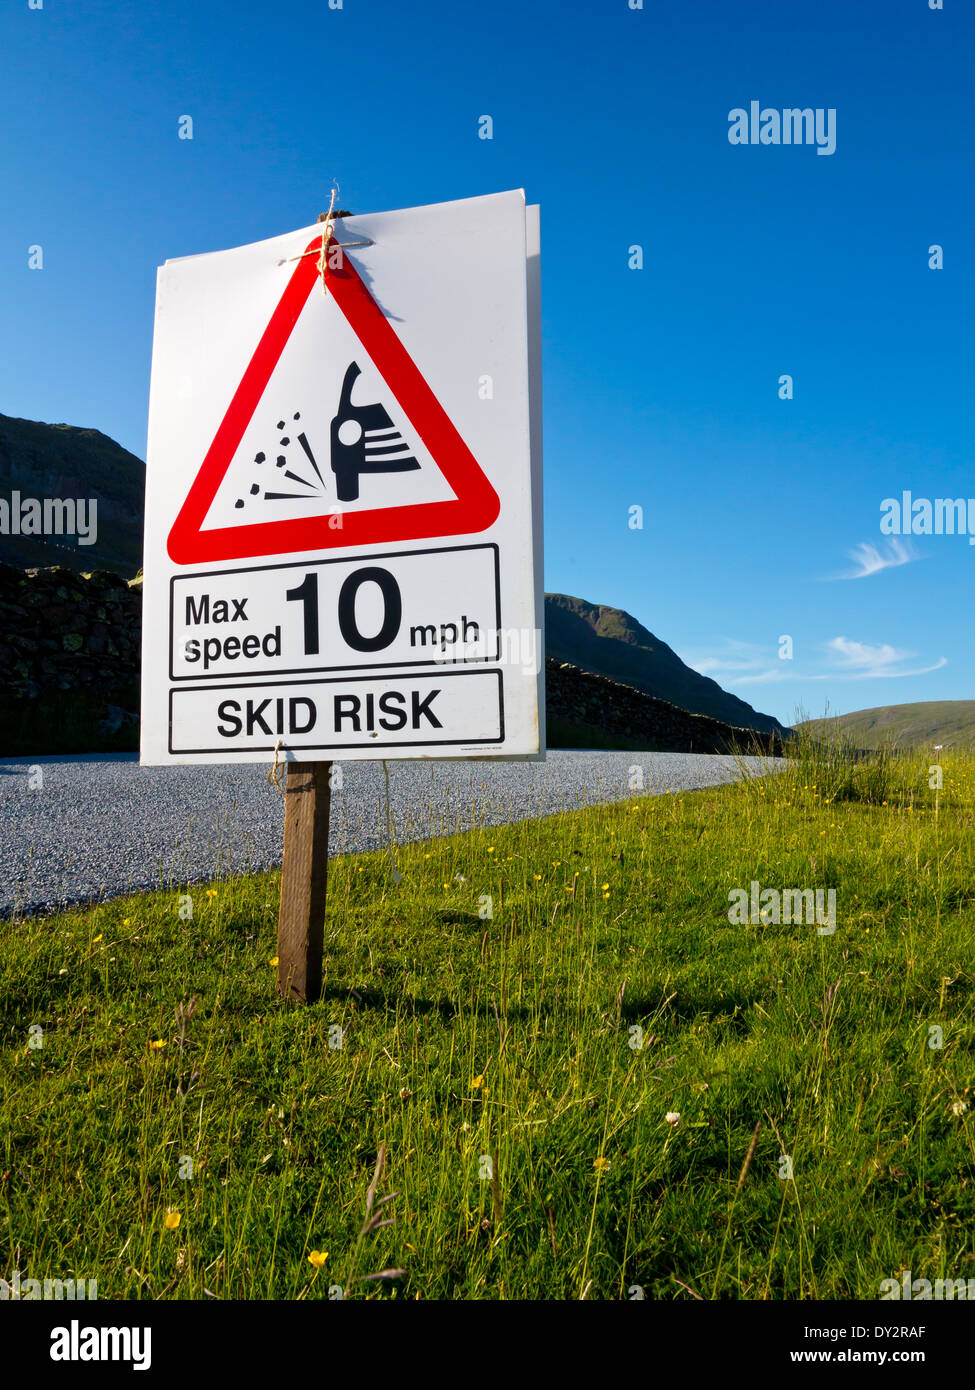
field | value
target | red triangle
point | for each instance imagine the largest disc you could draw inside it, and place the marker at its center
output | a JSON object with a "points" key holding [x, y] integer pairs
{"points": [[474, 508]]}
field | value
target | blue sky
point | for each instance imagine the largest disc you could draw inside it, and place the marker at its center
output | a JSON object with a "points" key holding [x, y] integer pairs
{"points": [[662, 384]]}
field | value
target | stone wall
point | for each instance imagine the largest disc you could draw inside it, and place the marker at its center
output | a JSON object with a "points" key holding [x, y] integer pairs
{"points": [[65, 631], [595, 702]]}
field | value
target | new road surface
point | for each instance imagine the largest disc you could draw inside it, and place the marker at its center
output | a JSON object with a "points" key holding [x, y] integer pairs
{"points": [[83, 828]]}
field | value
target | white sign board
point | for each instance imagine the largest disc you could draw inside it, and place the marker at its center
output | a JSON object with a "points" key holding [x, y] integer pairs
{"points": [[343, 520]]}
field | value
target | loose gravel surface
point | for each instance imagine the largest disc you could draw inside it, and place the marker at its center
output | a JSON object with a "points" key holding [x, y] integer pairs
{"points": [[82, 828]]}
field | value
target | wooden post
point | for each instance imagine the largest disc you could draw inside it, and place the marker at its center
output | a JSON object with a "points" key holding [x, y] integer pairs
{"points": [[304, 872]]}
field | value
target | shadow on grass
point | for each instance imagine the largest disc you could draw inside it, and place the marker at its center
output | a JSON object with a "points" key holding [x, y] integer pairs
{"points": [[389, 1002], [460, 919]]}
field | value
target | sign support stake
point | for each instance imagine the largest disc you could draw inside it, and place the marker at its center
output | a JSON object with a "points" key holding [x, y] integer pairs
{"points": [[304, 874]]}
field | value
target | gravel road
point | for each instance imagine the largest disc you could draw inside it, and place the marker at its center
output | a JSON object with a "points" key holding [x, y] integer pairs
{"points": [[82, 828]]}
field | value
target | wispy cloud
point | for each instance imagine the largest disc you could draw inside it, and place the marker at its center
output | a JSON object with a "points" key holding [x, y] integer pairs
{"points": [[735, 656], [751, 663], [773, 676], [864, 656], [848, 661], [863, 661], [870, 559]]}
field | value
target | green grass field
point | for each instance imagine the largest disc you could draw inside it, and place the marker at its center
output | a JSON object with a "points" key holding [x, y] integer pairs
{"points": [[921, 725], [494, 1122]]}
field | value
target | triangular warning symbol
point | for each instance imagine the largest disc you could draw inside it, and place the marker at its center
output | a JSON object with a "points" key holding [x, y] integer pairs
{"points": [[364, 439]]}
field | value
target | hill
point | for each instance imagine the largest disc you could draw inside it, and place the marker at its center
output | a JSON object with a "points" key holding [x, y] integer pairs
{"points": [[66, 462], [612, 643], [949, 722]]}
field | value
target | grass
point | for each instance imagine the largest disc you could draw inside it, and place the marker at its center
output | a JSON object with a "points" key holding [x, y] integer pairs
{"points": [[840, 770], [510, 1078], [949, 722]]}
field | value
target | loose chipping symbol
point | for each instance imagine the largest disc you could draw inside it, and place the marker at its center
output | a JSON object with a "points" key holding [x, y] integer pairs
{"points": [[364, 440]]}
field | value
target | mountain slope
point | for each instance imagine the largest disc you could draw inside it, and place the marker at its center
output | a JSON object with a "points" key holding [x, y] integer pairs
{"points": [[949, 722], [64, 461], [612, 643]]}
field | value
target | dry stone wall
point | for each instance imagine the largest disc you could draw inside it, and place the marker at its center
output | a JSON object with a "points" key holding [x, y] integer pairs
{"points": [[595, 702], [65, 631]]}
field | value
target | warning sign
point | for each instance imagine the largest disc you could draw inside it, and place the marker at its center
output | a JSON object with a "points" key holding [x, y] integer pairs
{"points": [[343, 499], [275, 476]]}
